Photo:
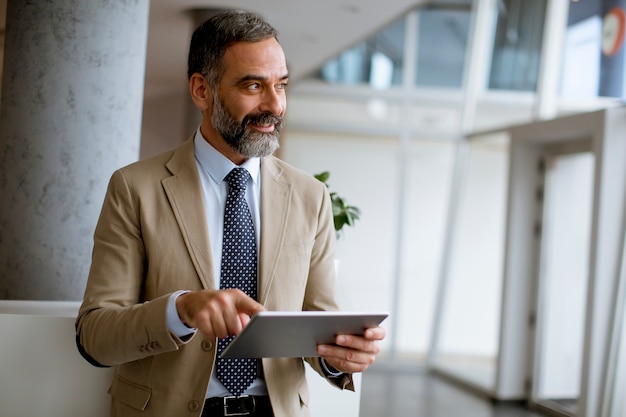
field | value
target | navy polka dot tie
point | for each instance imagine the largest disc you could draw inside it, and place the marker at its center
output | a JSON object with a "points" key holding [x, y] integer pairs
{"points": [[239, 267]]}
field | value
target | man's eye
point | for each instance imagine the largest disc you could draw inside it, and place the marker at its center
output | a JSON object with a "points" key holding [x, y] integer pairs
{"points": [[254, 86]]}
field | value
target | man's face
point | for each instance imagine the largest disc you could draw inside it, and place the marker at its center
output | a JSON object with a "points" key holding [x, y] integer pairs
{"points": [[242, 135], [249, 106]]}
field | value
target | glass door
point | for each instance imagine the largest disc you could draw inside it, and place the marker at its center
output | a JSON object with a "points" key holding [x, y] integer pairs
{"points": [[564, 233], [466, 344]]}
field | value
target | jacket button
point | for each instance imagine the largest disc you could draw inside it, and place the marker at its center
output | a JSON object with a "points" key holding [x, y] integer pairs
{"points": [[194, 405], [207, 345]]}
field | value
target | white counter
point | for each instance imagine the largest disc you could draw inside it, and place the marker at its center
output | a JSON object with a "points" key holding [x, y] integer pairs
{"points": [[42, 373]]}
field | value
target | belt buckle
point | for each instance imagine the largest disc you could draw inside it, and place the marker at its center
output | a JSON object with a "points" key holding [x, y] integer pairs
{"points": [[234, 407]]}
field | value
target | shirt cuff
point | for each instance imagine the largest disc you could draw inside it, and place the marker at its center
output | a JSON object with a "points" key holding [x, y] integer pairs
{"points": [[327, 370], [174, 323]]}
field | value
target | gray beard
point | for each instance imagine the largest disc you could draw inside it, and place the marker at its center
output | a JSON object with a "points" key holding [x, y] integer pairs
{"points": [[238, 136]]}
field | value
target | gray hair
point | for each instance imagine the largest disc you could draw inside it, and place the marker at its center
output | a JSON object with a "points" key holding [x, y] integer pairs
{"points": [[211, 39]]}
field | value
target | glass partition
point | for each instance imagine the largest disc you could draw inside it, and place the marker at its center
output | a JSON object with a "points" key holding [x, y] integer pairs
{"points": [[376, 61], [517, 45], [442, 29], [379, 60], [468, 343]]}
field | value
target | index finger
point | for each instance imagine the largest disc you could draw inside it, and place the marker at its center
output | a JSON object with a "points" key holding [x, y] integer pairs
{"points": [[238, 307], [248, 305]]}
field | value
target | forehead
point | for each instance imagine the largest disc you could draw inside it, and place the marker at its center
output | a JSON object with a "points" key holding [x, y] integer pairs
{"points": [[264, 58]]}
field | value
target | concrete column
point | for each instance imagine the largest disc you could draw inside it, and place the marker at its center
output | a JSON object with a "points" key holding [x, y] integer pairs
{"points": [[70, 115]]}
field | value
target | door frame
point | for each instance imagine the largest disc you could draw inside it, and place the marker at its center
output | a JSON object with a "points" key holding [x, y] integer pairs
{"points": [[604, 130]]}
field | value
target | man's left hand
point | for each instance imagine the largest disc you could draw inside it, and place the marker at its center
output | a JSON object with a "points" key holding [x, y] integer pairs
{"points": [[353, 353]]}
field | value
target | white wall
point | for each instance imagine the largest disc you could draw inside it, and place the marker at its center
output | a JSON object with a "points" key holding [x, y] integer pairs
{"points": [[364, 169]]}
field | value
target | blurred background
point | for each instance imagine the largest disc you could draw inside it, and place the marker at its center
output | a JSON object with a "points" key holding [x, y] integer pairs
{"points": [[483, 142]]}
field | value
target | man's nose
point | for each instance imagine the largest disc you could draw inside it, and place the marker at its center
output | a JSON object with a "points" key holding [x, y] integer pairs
{"points": [[273, 102]]}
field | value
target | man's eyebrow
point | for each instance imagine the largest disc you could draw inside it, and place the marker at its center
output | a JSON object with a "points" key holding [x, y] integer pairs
{"points": [[255, 77]]}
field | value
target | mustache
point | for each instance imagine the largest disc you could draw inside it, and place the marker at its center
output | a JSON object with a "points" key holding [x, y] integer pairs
{"points": [[261, 119]]}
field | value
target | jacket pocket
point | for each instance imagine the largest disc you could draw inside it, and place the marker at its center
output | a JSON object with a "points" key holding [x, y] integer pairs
{"points": [[130, 393]]}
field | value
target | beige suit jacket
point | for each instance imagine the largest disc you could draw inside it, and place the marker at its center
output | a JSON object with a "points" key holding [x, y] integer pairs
{"points": [[151, 240]]}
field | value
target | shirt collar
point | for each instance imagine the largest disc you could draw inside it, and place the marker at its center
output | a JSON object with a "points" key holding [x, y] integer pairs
{"points": [[217, 165]]}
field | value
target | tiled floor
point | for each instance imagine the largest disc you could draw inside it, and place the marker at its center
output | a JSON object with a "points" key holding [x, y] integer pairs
{"points": [[414, 393]]}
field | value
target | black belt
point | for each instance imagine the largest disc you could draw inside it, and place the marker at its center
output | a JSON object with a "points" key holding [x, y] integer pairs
{"points": [[246, 405]]}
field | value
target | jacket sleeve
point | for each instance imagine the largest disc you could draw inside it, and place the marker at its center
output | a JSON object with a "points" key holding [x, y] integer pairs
{"points": [[115, 324]]}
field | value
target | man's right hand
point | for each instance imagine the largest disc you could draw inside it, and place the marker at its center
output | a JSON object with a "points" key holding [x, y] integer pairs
{"points": [[217, 313]]}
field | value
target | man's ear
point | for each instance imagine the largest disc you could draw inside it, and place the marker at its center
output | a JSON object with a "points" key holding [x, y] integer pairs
{"points": [[200, 91]]}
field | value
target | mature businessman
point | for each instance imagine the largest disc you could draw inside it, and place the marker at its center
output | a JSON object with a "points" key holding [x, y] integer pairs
{"points": [[169, 280]]}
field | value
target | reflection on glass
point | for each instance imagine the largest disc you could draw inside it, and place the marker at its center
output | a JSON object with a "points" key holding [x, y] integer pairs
{"points": [[468, 345], [377, 61], [442, 29], [517, 45], [563, 276]]}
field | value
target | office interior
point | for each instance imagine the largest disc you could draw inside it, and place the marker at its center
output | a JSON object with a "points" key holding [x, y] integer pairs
{"points": [[483, 142]]}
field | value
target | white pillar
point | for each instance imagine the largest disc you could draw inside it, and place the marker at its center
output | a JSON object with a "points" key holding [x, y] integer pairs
{"points": [[71, 108]]}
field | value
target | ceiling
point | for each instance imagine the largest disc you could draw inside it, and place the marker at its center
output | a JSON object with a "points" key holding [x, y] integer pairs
{"points": [[310, 32]]}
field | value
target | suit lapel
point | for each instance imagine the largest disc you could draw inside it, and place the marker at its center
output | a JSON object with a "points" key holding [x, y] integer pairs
{"points": [[184, 192], [275, 197], [184, 187]]}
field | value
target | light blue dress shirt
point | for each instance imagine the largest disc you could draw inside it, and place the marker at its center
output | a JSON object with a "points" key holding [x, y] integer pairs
{"points": [[213, 167]]}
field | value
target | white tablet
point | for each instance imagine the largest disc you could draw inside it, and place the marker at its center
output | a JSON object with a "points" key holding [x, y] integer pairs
{"points": [[276, 334]]}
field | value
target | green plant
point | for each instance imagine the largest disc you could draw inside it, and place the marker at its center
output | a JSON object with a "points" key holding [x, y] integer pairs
{"points": [[343, 213]]}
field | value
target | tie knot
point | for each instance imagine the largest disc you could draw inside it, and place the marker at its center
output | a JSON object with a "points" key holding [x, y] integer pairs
{"points": [[238, 178]]}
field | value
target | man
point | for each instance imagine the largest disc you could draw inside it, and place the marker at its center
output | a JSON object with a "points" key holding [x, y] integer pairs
{"points": [[158, 297]]}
